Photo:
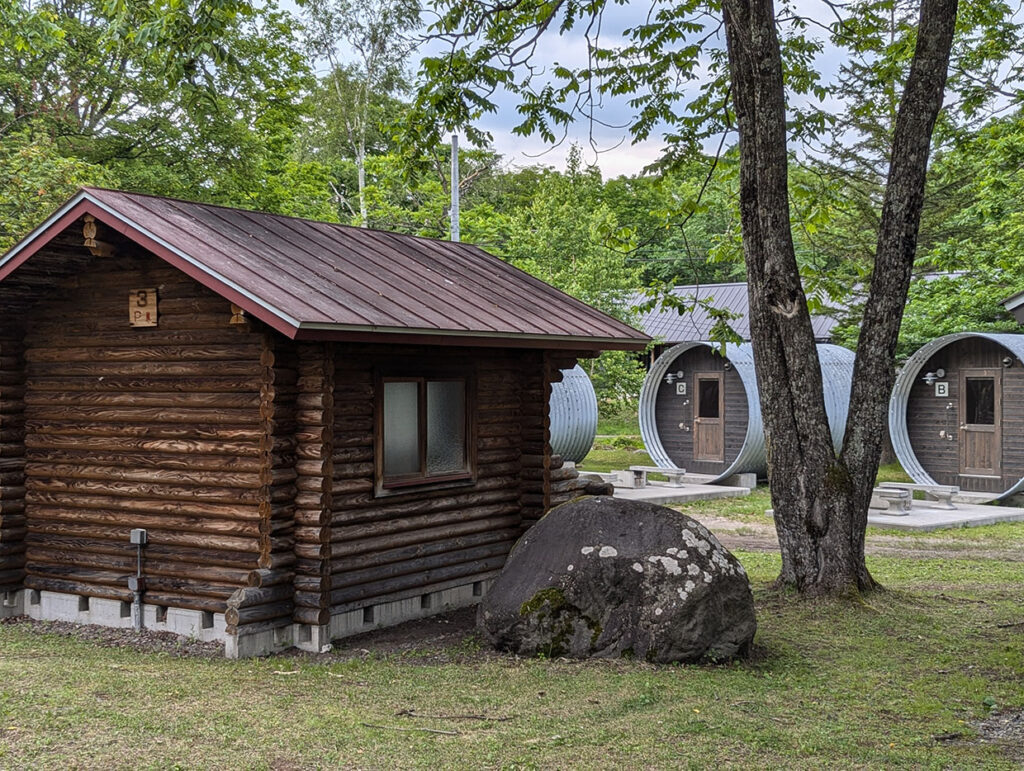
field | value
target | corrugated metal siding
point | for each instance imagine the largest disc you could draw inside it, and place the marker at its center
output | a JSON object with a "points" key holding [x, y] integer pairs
{"points": [[837, 376], [901, 395], [670, 326], [573, 414], [316, 277]]}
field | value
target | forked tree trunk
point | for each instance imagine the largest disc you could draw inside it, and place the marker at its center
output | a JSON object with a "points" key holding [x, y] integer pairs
{"points": [[820, 500]]}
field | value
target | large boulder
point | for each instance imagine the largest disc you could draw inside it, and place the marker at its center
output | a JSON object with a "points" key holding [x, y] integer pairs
{"points": [[603, 577]]}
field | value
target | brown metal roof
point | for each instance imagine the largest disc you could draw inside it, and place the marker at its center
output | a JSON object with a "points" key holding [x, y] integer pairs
{"points": [[316, 280]]}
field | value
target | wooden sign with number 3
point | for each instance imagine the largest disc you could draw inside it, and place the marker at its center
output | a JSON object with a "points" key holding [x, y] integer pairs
{"points": [[142, 307]]}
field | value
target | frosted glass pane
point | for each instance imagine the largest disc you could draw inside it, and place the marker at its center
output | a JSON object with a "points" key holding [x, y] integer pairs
{"points": [[446, 426], [401, 429]]}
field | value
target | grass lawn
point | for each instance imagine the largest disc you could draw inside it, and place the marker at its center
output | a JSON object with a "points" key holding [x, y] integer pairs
{"points": [[912, 677], [901, 679], [623, 424]]}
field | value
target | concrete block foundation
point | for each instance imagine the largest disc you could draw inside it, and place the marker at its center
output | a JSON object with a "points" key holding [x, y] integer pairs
{"points": [[79, 609], [12, 604], [209, 627]]}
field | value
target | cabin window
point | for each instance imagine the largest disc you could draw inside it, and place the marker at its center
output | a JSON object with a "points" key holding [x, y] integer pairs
{"points": [[981, 401], [708, 399], [423, 431]]}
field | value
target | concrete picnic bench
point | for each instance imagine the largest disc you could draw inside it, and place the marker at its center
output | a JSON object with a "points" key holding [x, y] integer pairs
{"points": [[941, 495], [674, 475], [891, 501]]}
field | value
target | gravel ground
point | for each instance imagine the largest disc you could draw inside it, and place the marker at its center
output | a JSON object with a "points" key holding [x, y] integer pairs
{"points": [[148, 641], [749, 536], [445, 638]]}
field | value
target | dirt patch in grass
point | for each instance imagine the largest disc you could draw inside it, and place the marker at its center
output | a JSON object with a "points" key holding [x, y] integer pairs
{"points": [[447, 638], [1006, 729], [750, 536]]}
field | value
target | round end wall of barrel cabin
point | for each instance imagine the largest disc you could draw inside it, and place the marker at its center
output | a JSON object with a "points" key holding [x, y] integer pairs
{"points": [[683, 426], [699, 411], [956, 416]]}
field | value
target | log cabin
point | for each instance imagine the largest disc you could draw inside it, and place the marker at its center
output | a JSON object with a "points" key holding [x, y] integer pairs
{"points": [[956, 414], [700, 409], [266, 430]]}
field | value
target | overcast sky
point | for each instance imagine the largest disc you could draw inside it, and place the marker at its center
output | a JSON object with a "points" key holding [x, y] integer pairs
{"points": [[605, 143], [608, 147]]}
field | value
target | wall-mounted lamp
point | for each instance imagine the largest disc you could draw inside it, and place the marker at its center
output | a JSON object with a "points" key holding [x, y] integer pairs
{"points": [[931, 377], [1007, 361], [672, 377], [727, 366]]}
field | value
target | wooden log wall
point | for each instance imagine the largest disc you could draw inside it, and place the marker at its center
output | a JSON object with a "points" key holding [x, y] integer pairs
{"points": [[248, 458], [536, 442], [161, 428], [564, 482], [12, 456], [559, 482], [384, 548]]}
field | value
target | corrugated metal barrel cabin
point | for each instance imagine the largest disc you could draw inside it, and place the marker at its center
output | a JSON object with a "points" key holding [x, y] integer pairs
{"points": [[957, 413], [701, 411], [573, 413], [320, 428]]}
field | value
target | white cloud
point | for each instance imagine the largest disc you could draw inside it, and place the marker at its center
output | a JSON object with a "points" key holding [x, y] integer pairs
{"points": [[615, 156]]}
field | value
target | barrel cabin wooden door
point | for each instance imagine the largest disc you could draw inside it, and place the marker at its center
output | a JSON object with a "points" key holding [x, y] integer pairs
{"points": [[709, 418], [980, 417]]}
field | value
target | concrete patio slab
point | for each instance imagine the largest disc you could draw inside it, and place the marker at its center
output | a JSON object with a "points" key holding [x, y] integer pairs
{"points": [[663, 494], [923, 517]]}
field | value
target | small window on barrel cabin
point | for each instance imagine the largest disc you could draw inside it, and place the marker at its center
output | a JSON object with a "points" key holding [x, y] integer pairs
{"points": [[981, 401], [424, 431], [707, 399]]}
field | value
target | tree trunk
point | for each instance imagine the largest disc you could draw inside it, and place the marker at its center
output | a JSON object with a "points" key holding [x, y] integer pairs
{"points": [[874, 372], [820, 501]]}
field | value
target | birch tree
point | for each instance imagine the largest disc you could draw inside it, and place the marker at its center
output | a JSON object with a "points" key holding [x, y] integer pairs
{"points": [[367, 44]]}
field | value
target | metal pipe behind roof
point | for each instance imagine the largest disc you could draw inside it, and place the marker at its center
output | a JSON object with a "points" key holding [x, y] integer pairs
{"points": [[455, 188]]}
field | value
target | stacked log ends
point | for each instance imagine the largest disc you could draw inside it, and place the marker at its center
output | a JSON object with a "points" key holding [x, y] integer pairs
{"points": [[315, 465], [257, 609], [12, 457], [272, 606], [564, 482], [547, 482], [535, 391]]}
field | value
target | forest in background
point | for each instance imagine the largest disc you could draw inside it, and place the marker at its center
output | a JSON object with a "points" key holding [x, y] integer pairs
{"points": [[221, 102]]}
